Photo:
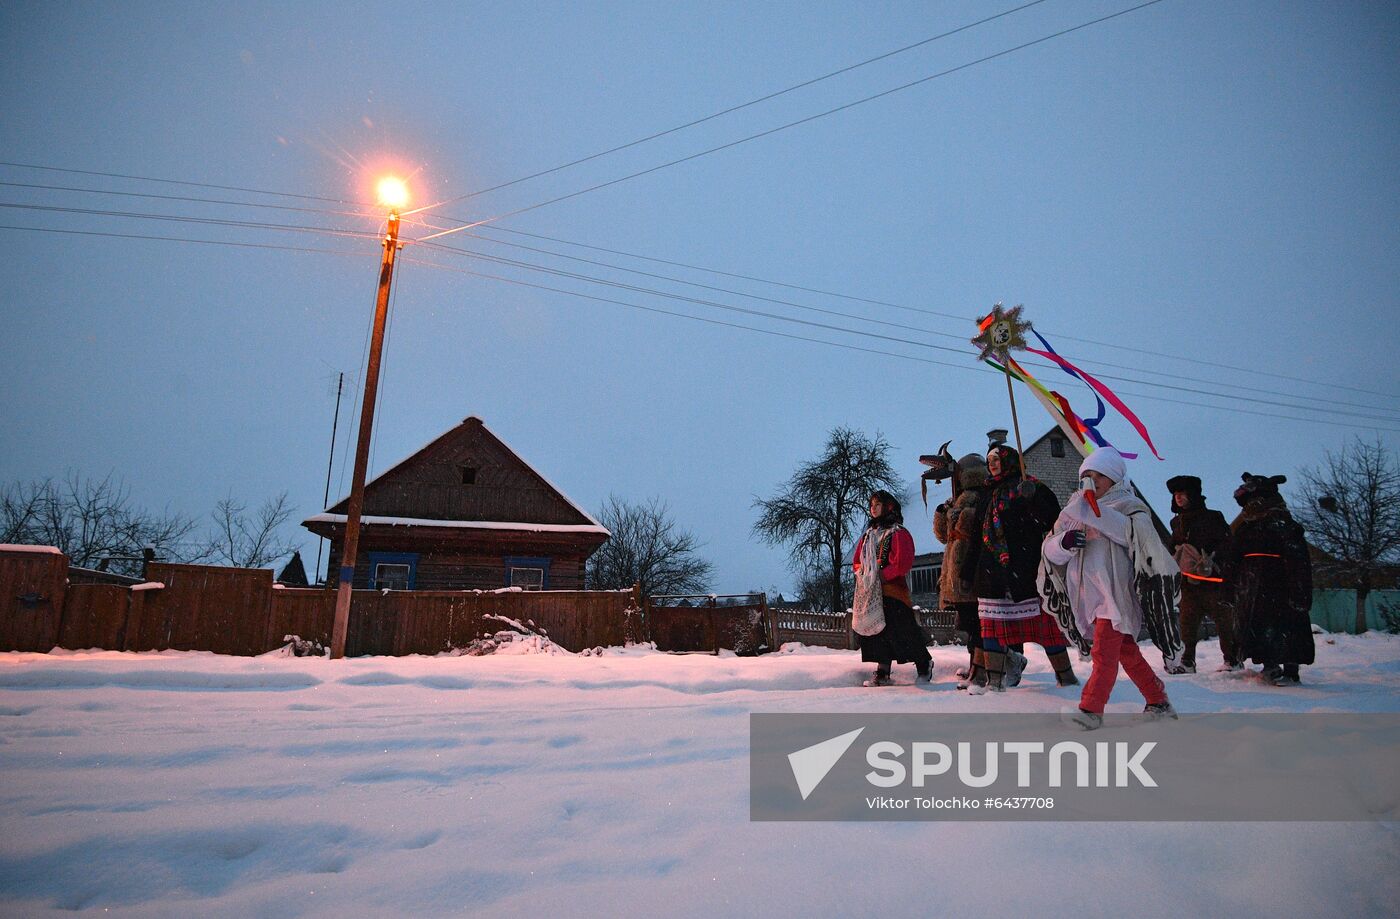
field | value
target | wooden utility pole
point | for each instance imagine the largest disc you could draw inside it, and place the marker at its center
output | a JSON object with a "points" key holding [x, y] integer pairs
{"points": [[357, 484]]}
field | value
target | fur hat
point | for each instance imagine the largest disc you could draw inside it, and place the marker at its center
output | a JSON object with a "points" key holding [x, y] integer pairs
{"points": [[1258, 486], [972, 471], [1189, 484]]}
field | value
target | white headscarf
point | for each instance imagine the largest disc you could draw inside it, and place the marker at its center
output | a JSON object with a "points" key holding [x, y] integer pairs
{"points": [[1105, 461]]}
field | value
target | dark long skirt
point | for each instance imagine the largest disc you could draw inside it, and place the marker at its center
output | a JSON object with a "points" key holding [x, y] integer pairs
{"points": [[901, 640]]}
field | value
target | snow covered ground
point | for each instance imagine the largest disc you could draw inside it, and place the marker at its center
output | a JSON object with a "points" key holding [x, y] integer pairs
{"points": [[183, 784]]}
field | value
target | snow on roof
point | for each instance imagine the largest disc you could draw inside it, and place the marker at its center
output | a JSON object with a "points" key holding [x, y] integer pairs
{"points": [[557, 490], [466, 524], [47, 550], [149, 585]]}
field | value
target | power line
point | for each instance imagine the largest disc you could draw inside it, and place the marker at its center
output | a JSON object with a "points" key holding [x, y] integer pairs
{"points": [[178, 218], [800, 121], [189, 198], [909, 328], [848, 331], [182, 239], [849, 347], [732, 109], [119, 175], [657, 260], [931, 312]]}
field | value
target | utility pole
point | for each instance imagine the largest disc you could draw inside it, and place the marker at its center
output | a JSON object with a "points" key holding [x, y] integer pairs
{"points": [[357, 485], [330, 465]]}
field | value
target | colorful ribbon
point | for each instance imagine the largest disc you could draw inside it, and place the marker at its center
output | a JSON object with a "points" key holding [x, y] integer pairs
{"points": [[1101, 390]]}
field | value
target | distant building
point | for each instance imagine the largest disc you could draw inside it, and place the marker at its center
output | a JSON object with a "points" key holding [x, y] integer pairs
{"points": [[465, 512], [923, 578], [1052, 459]]}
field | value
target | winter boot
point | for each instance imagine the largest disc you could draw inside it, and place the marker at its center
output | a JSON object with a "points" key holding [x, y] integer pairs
{"points": [[977, 674], [1178, 669], [964, 672], [1015, 666], [1089, 721], [1288, 676], [1229, 667], [1156, 711], [1064, 670], [996, 671], [1271, 673], [881, 678], [924, 672]]}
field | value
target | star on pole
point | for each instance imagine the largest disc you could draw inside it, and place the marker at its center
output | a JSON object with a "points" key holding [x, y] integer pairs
{"points": [[999, 332]]}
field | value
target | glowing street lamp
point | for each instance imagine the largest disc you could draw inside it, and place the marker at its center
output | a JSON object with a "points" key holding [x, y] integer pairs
{"points": [[393, 195]]}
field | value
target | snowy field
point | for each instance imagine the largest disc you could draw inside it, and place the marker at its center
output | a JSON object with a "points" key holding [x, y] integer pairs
{"points": [[185, 784]]}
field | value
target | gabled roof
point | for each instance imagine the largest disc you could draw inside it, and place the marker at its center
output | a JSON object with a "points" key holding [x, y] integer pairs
{"points": [[421, 488]]}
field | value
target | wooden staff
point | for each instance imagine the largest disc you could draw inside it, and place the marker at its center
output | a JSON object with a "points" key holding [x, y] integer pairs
{"points": [[1015, 424]]}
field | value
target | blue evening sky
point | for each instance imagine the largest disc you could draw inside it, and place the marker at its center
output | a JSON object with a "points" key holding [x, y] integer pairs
{"points": [[1211, 181]]}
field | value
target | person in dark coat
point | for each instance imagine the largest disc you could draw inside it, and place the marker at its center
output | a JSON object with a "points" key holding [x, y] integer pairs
{"points": [[1002, 565], [882, 614], [956, 524], [1198, 535], [1268, 566]]}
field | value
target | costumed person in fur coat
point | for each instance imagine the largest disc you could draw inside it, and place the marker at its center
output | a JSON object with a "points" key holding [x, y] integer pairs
{"points": [[1198, 534], [1001, 568], [883, 614], [1100, 554], [1269, 568], [956, 525]]}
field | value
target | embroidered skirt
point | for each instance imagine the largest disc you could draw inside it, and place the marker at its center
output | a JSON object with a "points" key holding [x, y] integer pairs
{"points": [[1013, 621]]}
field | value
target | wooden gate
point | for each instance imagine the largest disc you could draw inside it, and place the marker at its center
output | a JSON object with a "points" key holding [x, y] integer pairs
{"points": [[702, 623], [32, 584]]}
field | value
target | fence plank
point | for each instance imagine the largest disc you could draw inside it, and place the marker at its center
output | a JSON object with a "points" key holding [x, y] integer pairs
{"points": [[94, 616]]}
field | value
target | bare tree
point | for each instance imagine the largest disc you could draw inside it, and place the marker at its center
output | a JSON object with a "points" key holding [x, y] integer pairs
{"points": [[646, 548], [244, 540], [826, 499], [93, 522], [1350, 506], [814, 587]]}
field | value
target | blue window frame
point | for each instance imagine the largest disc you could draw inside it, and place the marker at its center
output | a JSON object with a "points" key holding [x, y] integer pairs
{"points": [[526, 563], [394, 562]]}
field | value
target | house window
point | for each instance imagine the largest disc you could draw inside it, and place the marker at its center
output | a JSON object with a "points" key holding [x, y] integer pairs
{"points": [[393, 570], [527, 573], [391, 576], [527, 578], [1057, 447], [468, 475]]}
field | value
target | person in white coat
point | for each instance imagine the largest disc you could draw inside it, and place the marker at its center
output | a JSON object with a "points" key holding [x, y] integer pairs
{"points": [[1100, 550]]}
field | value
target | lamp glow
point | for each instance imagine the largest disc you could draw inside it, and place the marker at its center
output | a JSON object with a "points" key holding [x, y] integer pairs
{"points": [[392, 192]]}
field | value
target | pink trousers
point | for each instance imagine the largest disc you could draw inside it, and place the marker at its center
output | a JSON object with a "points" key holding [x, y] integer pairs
{"points": [[1112, 647]]}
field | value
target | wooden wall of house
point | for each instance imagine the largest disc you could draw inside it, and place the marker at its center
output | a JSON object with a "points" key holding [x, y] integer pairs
{"points": [[429, 484], [447, 568]]}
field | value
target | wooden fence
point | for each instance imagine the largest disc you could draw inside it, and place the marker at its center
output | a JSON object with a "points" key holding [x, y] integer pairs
{"points": [[241, 611], [700, 623], [833, 630]]}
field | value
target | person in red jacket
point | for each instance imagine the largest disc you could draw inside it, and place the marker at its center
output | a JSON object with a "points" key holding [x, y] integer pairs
{"points": [[882, 613]]}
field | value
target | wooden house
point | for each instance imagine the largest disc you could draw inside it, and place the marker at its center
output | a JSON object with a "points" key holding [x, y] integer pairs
{"points": [[465, 512]]}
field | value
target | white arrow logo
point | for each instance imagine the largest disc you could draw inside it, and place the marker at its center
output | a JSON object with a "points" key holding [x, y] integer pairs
{"points": [[811, 764]]}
